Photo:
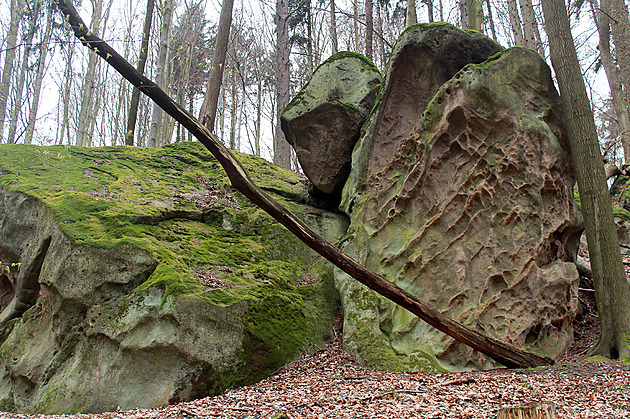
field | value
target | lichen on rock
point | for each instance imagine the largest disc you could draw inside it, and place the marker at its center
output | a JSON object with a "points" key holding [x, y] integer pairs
{"points": [[145, 279]]}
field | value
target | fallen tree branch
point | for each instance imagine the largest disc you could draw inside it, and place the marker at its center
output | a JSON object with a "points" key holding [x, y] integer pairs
{"points": [[501, 352]]}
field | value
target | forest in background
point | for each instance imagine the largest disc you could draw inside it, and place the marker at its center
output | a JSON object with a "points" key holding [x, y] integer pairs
{"points": [[53, 91]]}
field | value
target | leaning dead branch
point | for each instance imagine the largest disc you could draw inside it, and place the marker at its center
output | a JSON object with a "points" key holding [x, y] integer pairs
{"points": [[501, 352]]}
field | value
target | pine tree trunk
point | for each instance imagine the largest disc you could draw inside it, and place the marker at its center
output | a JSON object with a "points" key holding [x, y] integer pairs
{"points": [[282, 150], [612, 293], [19, 88], [142, 60], [602, 21], [17, 8], [208, 112], [43, 49]]}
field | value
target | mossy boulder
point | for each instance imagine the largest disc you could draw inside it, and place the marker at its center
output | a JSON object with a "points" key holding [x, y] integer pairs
{"points": [[461, 193], [139, 277], [324, 120]]}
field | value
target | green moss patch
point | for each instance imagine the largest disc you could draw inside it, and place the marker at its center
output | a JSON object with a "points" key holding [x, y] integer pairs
{"points": [[175, 202]]}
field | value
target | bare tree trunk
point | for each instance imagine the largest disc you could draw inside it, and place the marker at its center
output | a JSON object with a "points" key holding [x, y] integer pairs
{"points": [[282, 150], [429, 4], [142, 60], [309, 35], [355, 24], [333, 27], [369, 29], [208, 112], [28, 41], [618, 14], [259, 106], [493, 30], [43, 49], [515, 23], [223, 110], [381, 43], [89, 81], [17, 8], [233, 113], [530, 27], [471, 14], [609, 278], [160, 76], [65, 125], [240, 180], [167, 123], [602, 20], [411, 18]]}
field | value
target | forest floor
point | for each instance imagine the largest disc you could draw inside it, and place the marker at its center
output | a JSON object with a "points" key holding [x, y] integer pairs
{"points": [[332, 384]]}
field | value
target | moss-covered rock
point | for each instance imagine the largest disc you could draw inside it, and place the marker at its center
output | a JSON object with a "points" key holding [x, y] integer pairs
{"points": [[141, 278], [324, 120], [461, 193]]}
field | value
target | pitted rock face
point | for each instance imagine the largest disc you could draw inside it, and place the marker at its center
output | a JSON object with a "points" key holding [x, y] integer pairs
{"points": [[467, 203], [324, 120]]}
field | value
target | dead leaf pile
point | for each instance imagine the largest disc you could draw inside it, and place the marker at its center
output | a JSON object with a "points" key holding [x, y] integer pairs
{"points": [[331, 384]]}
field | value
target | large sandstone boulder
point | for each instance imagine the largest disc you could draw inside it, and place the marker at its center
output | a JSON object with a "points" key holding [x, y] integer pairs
{"points": [[461, 193], [324, 120], [134, 278]]}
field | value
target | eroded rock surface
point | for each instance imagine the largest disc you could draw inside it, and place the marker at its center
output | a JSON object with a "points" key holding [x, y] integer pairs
{"points": [[461, 193], [139, 278], [324, 120]]}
